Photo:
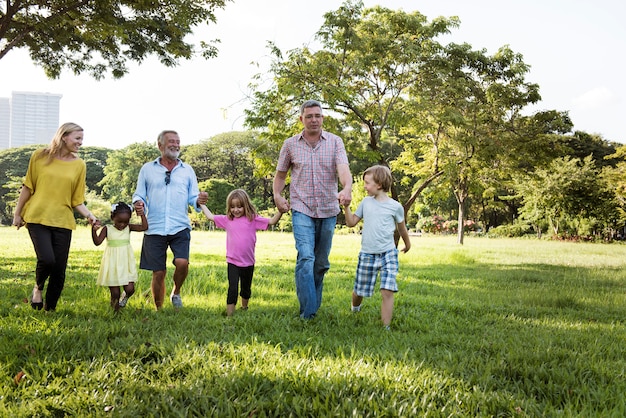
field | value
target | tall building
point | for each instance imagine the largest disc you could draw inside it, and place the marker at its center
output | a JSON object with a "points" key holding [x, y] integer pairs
{"points": [[33, 118], [5, 123]]}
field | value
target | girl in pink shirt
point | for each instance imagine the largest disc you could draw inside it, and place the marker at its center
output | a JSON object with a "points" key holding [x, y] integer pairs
{"points": [[241, 223]]}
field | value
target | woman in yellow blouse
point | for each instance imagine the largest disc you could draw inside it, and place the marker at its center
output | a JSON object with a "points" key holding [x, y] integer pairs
{"points": [[53, 188]]}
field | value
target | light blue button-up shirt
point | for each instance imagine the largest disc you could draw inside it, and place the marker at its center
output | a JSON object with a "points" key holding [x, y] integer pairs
{"points": [[167, 205]]}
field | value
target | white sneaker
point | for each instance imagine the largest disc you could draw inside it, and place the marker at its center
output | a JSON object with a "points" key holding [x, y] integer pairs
{"points": [[123, 300], [356, 308], [177, 301]]}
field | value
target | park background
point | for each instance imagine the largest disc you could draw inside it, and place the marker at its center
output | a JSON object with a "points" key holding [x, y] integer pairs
{"points": [[531, 325], [459, 126]]}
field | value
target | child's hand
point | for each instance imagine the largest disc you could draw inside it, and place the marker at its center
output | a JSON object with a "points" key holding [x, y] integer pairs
{"points": [[203, 198], [139, 207]]}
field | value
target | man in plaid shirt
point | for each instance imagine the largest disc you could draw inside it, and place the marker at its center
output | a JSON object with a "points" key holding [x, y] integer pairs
{"points": [[317, 159]]}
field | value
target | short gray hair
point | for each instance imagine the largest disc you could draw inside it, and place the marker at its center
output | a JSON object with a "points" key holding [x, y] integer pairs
{"points": [[161, 137], [309, 103]]}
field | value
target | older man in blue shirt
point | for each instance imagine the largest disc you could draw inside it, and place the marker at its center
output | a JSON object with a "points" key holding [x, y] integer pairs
{"points": [[166, 187]]}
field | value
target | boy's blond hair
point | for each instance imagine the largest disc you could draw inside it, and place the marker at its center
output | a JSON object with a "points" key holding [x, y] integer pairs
{"points": [[381, 176]]}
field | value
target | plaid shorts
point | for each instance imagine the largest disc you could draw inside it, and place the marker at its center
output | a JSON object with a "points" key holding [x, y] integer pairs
{"points": [[368, 268]]}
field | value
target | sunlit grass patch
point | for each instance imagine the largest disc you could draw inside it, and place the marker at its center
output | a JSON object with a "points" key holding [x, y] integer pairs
{"points": [[493, 328]]}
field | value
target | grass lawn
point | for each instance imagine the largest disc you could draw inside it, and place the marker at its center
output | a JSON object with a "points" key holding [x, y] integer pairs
{"points": [[497, 327]]}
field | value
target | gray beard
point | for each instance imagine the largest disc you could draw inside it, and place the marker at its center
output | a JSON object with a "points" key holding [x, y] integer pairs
{"points": [[171, 154]]}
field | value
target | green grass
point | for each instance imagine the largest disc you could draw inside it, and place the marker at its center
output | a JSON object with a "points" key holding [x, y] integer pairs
{"points": [[498, 327]]}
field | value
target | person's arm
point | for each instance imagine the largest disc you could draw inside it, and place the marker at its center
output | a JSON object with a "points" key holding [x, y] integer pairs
{"points": [[140, 227], [82, 209], [351, 218], [207, 212], [345, 178], [404, 233], [278, 185], [140, 195], [25, 194], [196, 197], [274, 220], [96, 237]]}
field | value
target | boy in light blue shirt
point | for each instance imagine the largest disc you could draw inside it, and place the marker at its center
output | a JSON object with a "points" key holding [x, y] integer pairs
{"points": [[381, 216]]}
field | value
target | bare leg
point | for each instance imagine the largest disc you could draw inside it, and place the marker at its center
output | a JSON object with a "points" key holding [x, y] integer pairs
{"points": [[129, 289], [230, 309], [356, 299], [386, 309], [180, 274], [158, 288], [244, 303], [115, 297]]}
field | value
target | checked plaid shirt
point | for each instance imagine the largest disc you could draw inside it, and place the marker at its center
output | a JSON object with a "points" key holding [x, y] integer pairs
{"points": [[313, 188]]}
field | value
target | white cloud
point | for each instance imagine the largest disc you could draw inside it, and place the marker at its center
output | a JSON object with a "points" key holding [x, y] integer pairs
{"points": [[594, 99]]}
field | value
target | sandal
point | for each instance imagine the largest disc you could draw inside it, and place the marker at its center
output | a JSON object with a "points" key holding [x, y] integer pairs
{"points": [[33, 304]]}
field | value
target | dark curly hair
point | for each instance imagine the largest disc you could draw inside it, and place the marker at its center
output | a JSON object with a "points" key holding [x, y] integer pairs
{"points": [[120, 207]]}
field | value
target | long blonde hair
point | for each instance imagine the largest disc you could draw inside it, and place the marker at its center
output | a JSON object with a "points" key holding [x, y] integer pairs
{"points": [[248, 208], [54, 148]]}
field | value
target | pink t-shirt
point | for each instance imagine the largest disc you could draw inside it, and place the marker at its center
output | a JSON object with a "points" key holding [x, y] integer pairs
{"points": [[240, 237]]}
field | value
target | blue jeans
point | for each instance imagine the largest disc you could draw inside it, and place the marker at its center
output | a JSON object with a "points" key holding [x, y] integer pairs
{"points": [[314, 237]]}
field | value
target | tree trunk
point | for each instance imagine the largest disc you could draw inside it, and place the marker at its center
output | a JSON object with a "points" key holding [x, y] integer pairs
{"points": [[461, 219]]}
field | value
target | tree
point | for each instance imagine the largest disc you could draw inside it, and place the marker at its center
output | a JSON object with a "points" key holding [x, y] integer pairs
{"points": [[470, 105], [582, 144], [230, 156], [97, 36], [13, 163], [369, 60], [566, 193], [95, 158], [218, 190], [615, 177], [122, 170]]}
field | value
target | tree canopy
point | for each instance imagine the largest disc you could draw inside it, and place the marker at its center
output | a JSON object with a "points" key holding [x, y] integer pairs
{"points": [[97, 36], [400, 98]]}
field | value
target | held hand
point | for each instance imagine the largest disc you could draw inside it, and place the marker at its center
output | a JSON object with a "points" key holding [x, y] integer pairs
{"points": [[203, 198], [282, 204], [139, 206], [93, 221], [344, 197]]}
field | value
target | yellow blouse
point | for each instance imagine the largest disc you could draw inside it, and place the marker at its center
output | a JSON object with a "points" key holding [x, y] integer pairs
{"points": [[56, 189]]}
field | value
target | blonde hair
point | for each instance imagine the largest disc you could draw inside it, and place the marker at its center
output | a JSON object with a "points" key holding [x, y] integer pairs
{"points": [[381, 176], [54, 148], [248, 208]]}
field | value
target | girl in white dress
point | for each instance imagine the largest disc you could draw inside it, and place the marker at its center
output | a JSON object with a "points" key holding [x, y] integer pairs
{"points": [[118, 261]]}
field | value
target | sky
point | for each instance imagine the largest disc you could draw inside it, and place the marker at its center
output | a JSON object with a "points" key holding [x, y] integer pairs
{"points": [[576, 50]]}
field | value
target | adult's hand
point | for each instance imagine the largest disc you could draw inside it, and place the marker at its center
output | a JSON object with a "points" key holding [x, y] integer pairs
{"points": [[203, 198], [282, 204], [344, 197], [139, 206], [18, 221]]}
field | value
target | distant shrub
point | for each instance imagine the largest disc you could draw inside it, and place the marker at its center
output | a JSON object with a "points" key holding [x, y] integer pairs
{"points": [[509, 231], [437, 225]]}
